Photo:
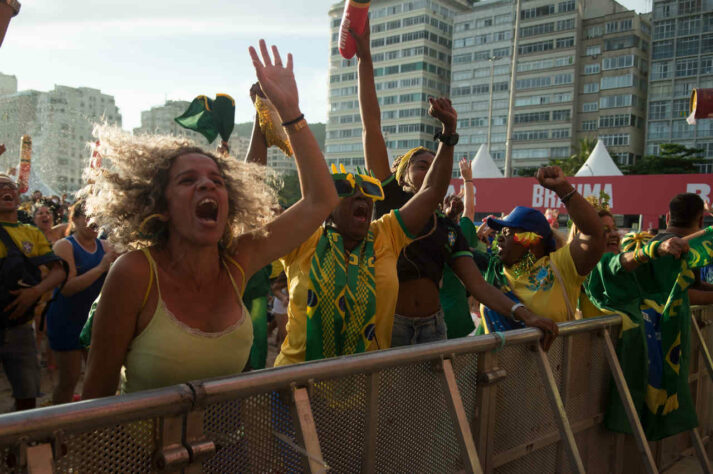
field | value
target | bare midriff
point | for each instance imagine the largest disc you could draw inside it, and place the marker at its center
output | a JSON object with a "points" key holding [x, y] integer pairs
{"points": [[418, 298]]}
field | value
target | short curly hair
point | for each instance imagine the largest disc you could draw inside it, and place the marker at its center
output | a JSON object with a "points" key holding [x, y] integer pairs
{"points": [[122, 197]]}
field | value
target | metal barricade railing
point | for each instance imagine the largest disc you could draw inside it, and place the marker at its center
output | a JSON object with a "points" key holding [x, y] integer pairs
{"points": [[476, 404]]}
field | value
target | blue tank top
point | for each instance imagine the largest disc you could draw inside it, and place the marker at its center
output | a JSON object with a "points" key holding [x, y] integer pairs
{"points": [[76, 307]]}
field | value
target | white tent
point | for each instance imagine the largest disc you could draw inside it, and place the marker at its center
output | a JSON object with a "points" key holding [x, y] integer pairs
{"points": [[599, 163], [483, 165]]}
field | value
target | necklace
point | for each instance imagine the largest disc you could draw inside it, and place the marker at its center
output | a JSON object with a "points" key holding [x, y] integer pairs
{"points": [[524, 265]]}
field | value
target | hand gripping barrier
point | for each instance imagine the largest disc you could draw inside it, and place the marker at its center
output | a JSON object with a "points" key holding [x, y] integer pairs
{"points": [[451, 406]]}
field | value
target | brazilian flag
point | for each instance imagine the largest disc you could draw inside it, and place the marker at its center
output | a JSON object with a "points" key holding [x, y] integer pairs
{"points": [[210, 117], [654, 346]]}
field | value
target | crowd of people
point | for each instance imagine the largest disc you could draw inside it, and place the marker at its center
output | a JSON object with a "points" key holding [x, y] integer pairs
{"points": [[162, 270]]}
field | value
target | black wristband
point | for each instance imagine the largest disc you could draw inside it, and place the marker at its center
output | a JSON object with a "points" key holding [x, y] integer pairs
{"points": [[568, 196], [286, 124]]}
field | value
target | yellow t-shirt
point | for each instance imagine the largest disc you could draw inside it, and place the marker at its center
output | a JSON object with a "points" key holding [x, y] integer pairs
{"points": [[29, 239], [540, 290], [389, 238]]}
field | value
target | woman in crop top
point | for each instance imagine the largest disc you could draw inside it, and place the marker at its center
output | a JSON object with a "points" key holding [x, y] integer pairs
{"points": [[173, 312], [419, 317]]}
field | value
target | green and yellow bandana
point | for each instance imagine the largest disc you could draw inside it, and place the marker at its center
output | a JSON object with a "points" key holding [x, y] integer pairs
{"points": [[341, 299]]}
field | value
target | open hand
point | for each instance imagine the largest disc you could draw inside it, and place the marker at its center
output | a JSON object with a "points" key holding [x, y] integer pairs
{"points": [[443, 110], [277, 81], [363, 42], [466, 172]]}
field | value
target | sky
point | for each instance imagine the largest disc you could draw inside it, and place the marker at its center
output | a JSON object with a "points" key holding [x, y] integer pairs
{"points": [[146, 51]]}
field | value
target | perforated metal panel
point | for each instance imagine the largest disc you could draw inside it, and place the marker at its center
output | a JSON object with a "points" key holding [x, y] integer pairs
{"points": [[542, 460], [244, 434], [523, 409], [415, 432], [339, 407], [119, 448]]}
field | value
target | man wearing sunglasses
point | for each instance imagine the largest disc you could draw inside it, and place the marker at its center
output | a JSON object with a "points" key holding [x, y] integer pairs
{"points": [[343, 281]]}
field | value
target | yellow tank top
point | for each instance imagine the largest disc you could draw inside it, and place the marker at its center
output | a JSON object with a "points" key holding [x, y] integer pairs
{"points": [[168, 352]]}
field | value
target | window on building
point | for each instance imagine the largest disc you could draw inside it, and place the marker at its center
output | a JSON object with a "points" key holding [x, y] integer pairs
{"points": [[561, 133], [662, 70], [590, 107], [594, 31], [564, 42], [687, 67], [662, 49], [664, 29], [618, 62], [659, 110], [590, 88], [613, 82], [594, 50], [687, 46], [617, 139], [591, 68], [561, 115], [589, 125]]}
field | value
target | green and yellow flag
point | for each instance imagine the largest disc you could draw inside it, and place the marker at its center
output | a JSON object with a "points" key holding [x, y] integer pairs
{"points": [[654, 343], [210, 117]]}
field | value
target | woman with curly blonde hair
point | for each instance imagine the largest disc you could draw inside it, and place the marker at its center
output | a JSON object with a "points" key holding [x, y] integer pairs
{"points": [[197, 226]]}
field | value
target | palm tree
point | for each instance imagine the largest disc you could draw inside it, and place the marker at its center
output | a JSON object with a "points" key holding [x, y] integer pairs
{"points": [[572, 164]]}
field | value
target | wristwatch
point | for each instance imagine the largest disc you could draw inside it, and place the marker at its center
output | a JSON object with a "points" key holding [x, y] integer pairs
{"points": [[450, 140], [14, 4]]}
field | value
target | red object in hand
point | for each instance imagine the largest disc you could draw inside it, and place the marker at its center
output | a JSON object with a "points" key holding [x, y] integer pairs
{"points": [[356, 12]]}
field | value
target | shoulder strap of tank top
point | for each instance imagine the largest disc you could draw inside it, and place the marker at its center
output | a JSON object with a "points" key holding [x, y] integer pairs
{"points": [[153, 273], [242, 274]]}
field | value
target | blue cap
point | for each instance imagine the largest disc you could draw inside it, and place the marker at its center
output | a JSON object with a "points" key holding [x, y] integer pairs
{"points": [[528, 219]]}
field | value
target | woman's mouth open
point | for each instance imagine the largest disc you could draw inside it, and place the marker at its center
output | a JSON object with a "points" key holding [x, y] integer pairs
{"points": [[207, 211]]}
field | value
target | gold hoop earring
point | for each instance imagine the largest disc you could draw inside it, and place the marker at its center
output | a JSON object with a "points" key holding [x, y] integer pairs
{"points": [[143, 224]]}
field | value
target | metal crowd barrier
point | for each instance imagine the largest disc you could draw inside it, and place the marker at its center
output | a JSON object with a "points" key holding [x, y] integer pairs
{"points": [[476, 404]]}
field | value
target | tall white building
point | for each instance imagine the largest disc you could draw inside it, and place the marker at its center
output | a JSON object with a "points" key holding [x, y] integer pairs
{"points": [[411, 50], [681, 60], [8, 84], [60, 123]]}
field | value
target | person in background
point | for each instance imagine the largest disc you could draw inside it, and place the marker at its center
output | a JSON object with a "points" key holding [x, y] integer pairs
{"points": [[453, 295], [18, 350], [88, 260]]}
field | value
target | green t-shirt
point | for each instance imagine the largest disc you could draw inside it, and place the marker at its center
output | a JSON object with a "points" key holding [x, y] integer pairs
{"points": [[454, 298]]}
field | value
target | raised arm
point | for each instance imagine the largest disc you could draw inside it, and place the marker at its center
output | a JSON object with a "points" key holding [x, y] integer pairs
{"points": [[319, 196], [416, 212], [588, 246], [375, 154], [257, 151], [466, 173]]}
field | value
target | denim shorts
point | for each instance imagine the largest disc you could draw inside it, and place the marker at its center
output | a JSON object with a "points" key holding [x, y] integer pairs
{"points": [[18, 354], [408, 331]]}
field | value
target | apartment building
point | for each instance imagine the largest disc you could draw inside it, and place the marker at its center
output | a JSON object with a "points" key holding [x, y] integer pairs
{"points": [[545, 85], [681, 60], [60, 123], [411, 45], [613, 66]]}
